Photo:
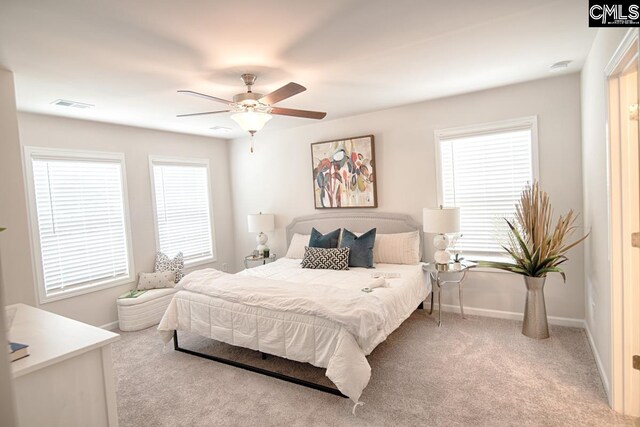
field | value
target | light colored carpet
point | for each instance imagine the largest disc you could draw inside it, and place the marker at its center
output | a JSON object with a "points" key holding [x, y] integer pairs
{"points": [[474, 372]]}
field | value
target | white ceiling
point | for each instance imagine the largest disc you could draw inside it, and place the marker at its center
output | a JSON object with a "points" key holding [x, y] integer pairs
{"points": [[129, 57]]}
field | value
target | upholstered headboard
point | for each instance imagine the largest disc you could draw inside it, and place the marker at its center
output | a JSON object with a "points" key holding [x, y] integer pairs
{"points": [[385, 223]]}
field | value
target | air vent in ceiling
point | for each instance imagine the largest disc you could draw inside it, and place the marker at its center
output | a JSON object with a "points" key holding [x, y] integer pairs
{"points": [[222, 129], [559, 66], [65, 103]]}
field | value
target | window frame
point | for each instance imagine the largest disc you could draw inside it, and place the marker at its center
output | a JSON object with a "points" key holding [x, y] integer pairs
{"points": [[183, 161], [527, 122], [34, 230]]}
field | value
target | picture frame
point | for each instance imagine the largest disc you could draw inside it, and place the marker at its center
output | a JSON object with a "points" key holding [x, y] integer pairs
{"points": [[344, 174]]}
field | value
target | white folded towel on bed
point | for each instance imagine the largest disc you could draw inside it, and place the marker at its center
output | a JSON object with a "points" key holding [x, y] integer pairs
{"points": [[380, 282]]}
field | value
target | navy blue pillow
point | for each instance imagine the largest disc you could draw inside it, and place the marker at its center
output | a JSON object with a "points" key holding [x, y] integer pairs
{"points": [[326, 241], [361, 248]]}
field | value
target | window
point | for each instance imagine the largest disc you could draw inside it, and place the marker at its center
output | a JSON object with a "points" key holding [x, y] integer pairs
{"points": [[183, 208], [482, 170], [78, 220]]}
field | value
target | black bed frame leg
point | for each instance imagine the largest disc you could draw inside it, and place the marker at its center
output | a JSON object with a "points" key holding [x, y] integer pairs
{"points": [[255, 369]]}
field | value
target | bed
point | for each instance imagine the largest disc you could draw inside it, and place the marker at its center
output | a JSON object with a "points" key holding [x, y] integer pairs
{"points": [[319, 317]]}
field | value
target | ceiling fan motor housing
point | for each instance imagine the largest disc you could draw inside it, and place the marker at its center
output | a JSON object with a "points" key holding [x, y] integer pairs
{"points": [[249, 99]]}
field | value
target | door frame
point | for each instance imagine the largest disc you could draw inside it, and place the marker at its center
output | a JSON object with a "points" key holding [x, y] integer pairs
{"points": [[625, 316]]}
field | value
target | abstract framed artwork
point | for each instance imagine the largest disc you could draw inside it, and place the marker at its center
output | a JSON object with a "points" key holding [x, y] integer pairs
{"points": [[344, 173]]}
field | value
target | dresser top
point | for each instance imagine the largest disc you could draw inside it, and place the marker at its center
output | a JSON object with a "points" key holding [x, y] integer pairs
{"points": [[51, 338]]}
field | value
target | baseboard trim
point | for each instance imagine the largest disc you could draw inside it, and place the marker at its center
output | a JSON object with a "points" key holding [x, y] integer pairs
{"points": [[601, 371], [554, 320], [110, 326]]}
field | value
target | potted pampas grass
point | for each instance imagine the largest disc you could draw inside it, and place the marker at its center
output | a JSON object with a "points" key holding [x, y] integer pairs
{"points": [[537, 248]]}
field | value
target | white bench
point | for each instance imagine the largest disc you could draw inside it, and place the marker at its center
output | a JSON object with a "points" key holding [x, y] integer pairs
{"points": [[144, 311]]}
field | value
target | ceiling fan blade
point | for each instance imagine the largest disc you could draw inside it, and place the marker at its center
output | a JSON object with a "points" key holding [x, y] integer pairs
{"points": [[202, 95], [284, 92], [298, 113], [202, 114]]}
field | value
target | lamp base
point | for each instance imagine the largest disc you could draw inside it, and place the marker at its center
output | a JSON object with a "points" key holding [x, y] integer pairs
{"points": [[261, 239], [442, 257], [441, 242]]}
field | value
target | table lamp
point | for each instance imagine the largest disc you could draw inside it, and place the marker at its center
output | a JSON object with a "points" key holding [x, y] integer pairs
{"points": [[259, 223], [441, 221]]}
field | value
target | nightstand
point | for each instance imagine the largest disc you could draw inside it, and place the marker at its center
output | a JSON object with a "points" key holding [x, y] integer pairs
{"points": [[454, 273], [250, 261]]}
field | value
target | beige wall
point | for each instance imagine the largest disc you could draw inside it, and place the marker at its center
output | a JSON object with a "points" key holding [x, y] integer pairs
{"points": [[98, 308], [596, 197], [277, 177], [10, 176], [14, 246]]}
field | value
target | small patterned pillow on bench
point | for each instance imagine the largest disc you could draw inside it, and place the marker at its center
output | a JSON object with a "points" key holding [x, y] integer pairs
{"points": [[158, 280], [328, 259]]}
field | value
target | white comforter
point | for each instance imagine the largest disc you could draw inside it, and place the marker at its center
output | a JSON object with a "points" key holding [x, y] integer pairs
{"points": [[359, 313], [317, 316]]}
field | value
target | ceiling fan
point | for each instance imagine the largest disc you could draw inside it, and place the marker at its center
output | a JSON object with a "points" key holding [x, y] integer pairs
{"points": [[253, 110]]}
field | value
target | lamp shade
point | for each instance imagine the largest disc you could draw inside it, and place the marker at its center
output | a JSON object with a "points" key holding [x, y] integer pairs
{"points": [[441, 220], [251, 121], [260, 222]]}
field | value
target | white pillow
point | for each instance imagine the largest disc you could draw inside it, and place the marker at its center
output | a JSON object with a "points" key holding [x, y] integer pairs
{"points": [[175, 264], [157, 280], [296, 248], [398, 248]]}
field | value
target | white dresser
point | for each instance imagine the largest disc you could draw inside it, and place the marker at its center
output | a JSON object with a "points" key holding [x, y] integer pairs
{"points": [[67, 380]]}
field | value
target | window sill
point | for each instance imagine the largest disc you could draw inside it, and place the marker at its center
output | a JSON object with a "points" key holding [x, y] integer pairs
{"points": [[494, 257], [199, 261], [489, 270], [74, 292]]}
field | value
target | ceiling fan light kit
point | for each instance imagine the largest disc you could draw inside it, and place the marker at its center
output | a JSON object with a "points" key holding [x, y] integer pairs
{"points": [[251, 121], [253, 110]]}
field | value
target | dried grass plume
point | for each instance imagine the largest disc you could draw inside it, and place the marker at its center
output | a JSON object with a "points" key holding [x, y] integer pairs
{"points": [[537, 247]]}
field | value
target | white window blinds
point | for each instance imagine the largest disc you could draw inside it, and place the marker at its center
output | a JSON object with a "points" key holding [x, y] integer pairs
{"points": [[483, 173], [183, 216], [80, 222]]}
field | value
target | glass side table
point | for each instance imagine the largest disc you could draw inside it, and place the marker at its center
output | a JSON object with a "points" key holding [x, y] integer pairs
{"points": [[250, 261], [454, 273]]}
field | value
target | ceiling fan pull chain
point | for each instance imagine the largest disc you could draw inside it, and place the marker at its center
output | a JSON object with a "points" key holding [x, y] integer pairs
{"points": [[252, 133]]}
